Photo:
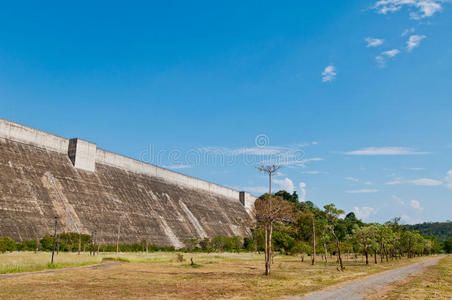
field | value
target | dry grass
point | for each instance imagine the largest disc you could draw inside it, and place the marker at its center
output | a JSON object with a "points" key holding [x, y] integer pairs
{"points": [[161, 276], [434, 283]]}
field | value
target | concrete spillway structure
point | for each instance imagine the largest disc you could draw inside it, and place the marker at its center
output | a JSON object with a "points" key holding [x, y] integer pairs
{"points": [[90, 189]]}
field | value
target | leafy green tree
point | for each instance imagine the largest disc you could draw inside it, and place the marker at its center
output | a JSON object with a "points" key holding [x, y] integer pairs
{"points": [[7, 244], [448, 245], [293, 198], [365, 238]]}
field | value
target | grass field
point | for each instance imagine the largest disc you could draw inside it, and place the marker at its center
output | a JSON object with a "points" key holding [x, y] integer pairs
{"points": [[162, 276], [434, 283]]}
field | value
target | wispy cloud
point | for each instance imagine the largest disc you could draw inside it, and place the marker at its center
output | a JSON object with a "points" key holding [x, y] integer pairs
{"points": [[290, 156], [414, 41], [314, 172], [373, 42], [329, 74], [351, 179], [422, 8], [407, 31], [394, 182], [391, 53], [362, 191], [385, 151], [382, 58], [426, 182], [419, 182]]}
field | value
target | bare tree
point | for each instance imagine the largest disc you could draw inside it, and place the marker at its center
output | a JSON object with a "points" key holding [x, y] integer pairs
{"points": [[269, 210]]}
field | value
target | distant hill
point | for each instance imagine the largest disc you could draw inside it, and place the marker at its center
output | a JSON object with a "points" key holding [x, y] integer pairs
{"points": [[442, 230]]}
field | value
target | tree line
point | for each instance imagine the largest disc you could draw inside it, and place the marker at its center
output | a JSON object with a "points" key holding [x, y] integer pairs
{"points": [[301, 227]]}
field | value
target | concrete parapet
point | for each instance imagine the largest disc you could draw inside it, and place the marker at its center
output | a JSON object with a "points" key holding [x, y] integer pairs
{"points": [[23, 134]]}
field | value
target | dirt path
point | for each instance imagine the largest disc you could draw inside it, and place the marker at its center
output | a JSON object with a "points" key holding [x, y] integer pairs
{"points": [[358, 290], [98, 266]]}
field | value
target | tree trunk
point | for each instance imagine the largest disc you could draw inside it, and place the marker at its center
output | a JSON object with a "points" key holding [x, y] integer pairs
{"points": [[326, 253], [313, 240], [367, 257], [382, 247], [375, 256], [338, 249]]}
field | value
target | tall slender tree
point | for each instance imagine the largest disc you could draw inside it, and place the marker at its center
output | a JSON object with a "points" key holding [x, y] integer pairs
{"points": [[332, 215]]}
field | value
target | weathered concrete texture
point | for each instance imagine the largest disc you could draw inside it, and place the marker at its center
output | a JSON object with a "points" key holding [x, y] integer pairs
{"points": [[37, 183]]}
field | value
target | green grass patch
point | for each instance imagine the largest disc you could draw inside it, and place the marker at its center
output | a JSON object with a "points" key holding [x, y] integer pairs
{"points": [[8, 269], [121, 259]]}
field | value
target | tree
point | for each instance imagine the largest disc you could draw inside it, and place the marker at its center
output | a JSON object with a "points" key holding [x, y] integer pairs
{"points": [[293, 198], [206, 245], [365, 237], [332, 215], [268, 211], [448, 245]]}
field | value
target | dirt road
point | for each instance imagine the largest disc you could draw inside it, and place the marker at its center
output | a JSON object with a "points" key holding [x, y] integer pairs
{"points": [[358, 290]]}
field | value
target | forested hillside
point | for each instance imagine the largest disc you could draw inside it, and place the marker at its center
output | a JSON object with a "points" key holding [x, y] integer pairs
{"points": [[442, 230]]}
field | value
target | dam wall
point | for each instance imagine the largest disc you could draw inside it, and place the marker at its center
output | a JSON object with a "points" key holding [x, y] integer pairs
{"points": [[90, 189]]}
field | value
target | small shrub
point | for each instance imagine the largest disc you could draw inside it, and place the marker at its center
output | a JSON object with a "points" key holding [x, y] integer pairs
{"points": [[180, 257]]}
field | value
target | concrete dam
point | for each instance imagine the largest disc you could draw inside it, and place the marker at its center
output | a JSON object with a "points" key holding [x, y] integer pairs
{"points": [[90, 189]]}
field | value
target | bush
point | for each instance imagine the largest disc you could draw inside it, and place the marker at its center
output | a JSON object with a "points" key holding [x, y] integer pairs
{"points": [[7, 244]]}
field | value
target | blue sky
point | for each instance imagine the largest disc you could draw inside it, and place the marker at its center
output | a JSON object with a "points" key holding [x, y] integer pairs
{"points": [[353, 98]]}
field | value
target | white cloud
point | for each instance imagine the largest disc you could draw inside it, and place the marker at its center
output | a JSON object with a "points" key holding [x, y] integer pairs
{"points": [[368, 182], [448, 179], [416, 205], [385, 151], [426, 182], [315, 142], [393, 182], [381, 59], [176, 167], [415, 169], [302, 187], [329, 74], [391, 53], [314, 172], [285, 184], [414, 41], [352, 179], [364, 212], [423, 8], [420, 181], [373, 42], [362, 191], [407, 31]]}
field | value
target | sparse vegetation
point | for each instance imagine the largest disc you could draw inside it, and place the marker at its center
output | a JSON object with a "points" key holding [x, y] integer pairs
{"points": [[160, 275]]}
